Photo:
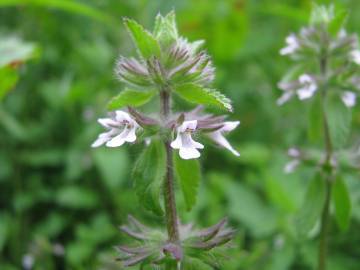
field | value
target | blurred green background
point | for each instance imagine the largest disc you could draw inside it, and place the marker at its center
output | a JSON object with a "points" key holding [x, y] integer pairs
{"points": [[61, 201]]}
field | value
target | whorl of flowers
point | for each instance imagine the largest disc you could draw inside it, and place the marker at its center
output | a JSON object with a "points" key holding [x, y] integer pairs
{"points": [[154, 249], [324, 38]]}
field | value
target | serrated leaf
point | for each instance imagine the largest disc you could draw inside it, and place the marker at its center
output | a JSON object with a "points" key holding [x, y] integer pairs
{"points": [[338, 22], [194, 264], [129, 97], [321, 14], [315, 122], [312, 206], [165, 29], [188, 174], [199, 95], [145, 42], [341, 200], [148, 174], [339, 121]]}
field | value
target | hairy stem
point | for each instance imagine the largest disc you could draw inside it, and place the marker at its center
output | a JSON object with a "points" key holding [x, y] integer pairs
{"points": [[169, 192], [327, 170], [324, 228]]}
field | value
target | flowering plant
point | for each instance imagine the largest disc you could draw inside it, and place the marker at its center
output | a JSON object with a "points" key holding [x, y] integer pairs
{"points": [[167, 65], [326, 69]]}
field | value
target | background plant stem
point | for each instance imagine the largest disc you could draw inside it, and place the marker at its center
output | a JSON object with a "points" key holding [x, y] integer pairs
{"points": [[327, 171], [169, 193]]}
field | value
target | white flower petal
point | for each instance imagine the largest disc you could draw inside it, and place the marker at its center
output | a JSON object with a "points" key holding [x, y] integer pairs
{"points": [[189, 153], [116, 141], [355, 56], [293, 152], [98, 142], [123, 116], [291, 166], [188, 142], [349, 99], [191, 125], [305, 93], [306, 78], [284, 98], [196, 144], [292, 45], [308, 87], [131, 135], [119, 139], [184, 142], [102, 138], [221, 140], [107, 122], [230, 126], [176, 144], [286, 50]]}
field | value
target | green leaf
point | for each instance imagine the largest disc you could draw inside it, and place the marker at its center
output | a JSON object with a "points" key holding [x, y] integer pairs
{"points": [[194, 264], [148, 174], [315, 122], [165, 29], [8, 79], [112, 165], [293, 73], [144, 40], [188, 174], [4, 229], [76, 197], [312, 206], [341, 200], [68, 6], [129, 97], [338, 22], [247, 206], [197, 94], [321, 14], [339, 121]]}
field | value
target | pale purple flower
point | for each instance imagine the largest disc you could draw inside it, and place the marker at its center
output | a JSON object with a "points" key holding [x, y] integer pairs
{"points": [[292, 164], [305, 88], [120, 129], [28, 261], [349, 98], [188, 148], [292, 45], [218, 135], [294, 152], [355, 56], [284, 97], [308, 88]]}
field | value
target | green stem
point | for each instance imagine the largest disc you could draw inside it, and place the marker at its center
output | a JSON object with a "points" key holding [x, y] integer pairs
{"points": [[327, 171], [324, 228], [169, 192]]}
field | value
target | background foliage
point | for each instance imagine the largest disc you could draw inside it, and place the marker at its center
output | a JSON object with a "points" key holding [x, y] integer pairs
{"points": [[61, 202]]}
